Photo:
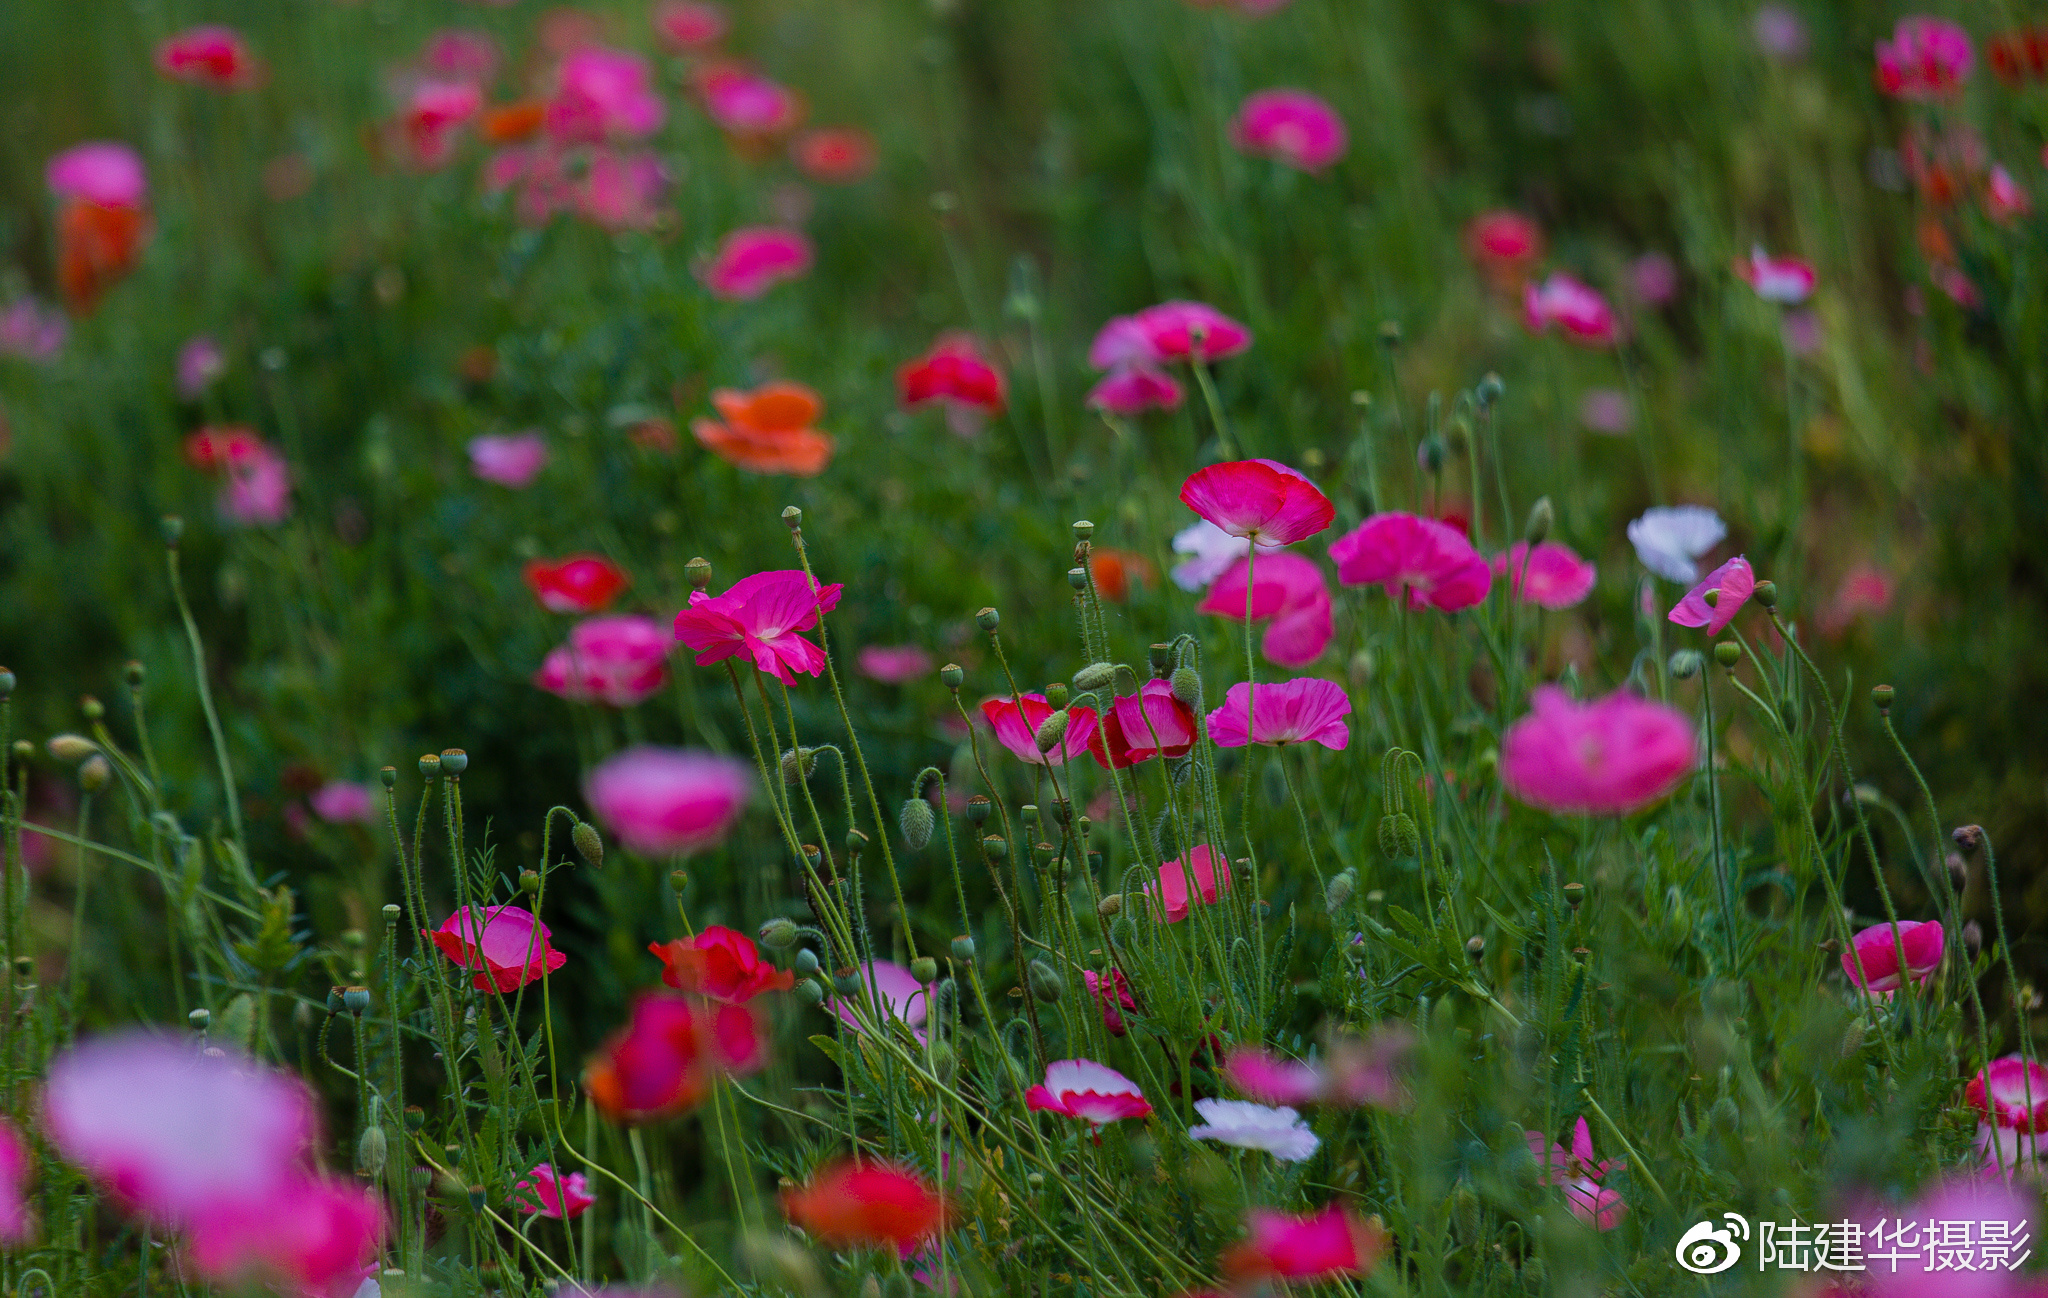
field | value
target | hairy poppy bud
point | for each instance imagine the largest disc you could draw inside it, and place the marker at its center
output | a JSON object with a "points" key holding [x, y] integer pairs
{"points": [[945, 1062], [389, 775], [454, 761], [430, 765], [916, 820], [1046, 984], [1121, 931], [1541, 516], [1187, 686], [1686, 664], [1728, 653], [1725, 1116], [1339, 890], [1973, 936], [951, 675], [1051, 731], [372, 1147], [963, 949], [1111, 906], [1765, 593], [71, 748], [698, 573], [792, 518], [925, 970], [806, 962], [797, 764], [588, 842], [994, 847], [1882, 695], [94, 772], [1399, 835], [988, 619], [1094, 676]]}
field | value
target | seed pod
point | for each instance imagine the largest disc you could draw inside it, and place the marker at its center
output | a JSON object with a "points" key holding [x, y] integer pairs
{"points": [[389, 775], [951, 675], [925, 970], [988, 620], [6, 682], [778, 934], [1574, 894], [792, 518], [454, 761], [1882, 695], [846, 981], [1728, 653], [1077, 578], [963, 949], [1766, 594], [978, 808], [1187, 686], [1056, 695], [430, 766], [916, 820], [698, 572], [994, 848], [589, 844], [529, 881], [199, 1019], [356, 1000]]}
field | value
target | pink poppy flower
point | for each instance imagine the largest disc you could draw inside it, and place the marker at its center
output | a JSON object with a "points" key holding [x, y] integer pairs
{"points": [[1733, 580], [1865, 589], [2011, 1093], [1084, 1089], [17, 1222], [663, 801], [1878, 954], [1355, 1071], [833, 155], [956, 374], [1133, 389], [685, 25], [747, 104], [549, 1194], [340, 802], [1580, 1176], [209, 56], [1320, 1245], [313, 1236], [1272, 1079], [30, 331], [434, 114], [258, 488], [2004, 200], [1607, 758], [1787, 281], [1431, 561], [603, 94], [199, 363], [721, 963], [618, 661], [1654, 278], [621, 189], [1113, 993], [581, 583], [1505, 246], [511, 952], [1261, 500], [753, 260], [1292, 126], [1931, 1272], [1016, 722], [460, 54], [1604, 410], [510, 460], [1779, 33], [1213, 552], [1151, 723], [893, 664], [1168, 332], [177, 1134], [1306, 711], [1278, 1131], [1926, 58], [902, 997], [1579, 311], [105, 174], [1550, 576], [1211, 876], [1290, 590], [760, 616]]}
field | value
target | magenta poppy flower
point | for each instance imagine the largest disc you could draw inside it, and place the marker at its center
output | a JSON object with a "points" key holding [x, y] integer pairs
{"points": [[1133, 389], [199, 363], [1272, 1079], [746, 103], [760, 616], [1926, 58], [1865, 589], [1263, 501], [893, 664], [753, 260], [2004, 200], [1139, 727], [1288, 589], [1549, 576], [17, 1222], [959, 377], [1305, 711], [1167, 332], [1580, 1176], [102, 173], [1787, 281], [511, 952], [2012, 1093], [1292, 126], [1318, 1246], [1211, 876], [902, 997], [1355, 1071], [1606, 758], [1277, 1131], [550, 1194], [1016, 722], [342, 802], [685, 25], [662, 801], [510, 460], [460, 54], [212, 55], [31, 331], [621, 189], [1579, 311], [618, 661], [1878, 955], [1733, 580], [603, 94], [1431, 561], [1092, 1092], [1113, 993], [258, 488], [313, 1236]]}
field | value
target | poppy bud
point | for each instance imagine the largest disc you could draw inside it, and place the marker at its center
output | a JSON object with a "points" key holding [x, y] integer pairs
{"points": [[1475, 946], [1084, 530], [1122, 931], [951, 675], [1958, 873], [1969, 837], [1094, 676], [589, 843], [173, 528], [1489, 391], [925, 970], [1465, 1210], [1339, 890], [454, 761], [963, 949], [994, 847], [1046, 985], [792, 518], [93, 709], [797, 764], [430, 765], [806, 962], [1077, 578], [389, 775], [71, 748], [978, 807], [1686, 664], [1973, 936], [529, 881], [1574, 895], [988, 620], [1429, 456], [916, 820], [1541, 516], [94, 773], [1399, 835], [1187, 687], [1051, 731], [698, 573], [945, 1063], [199, 1019], [1765, 593], [372, 1147], [1882, 696], [6, 682], [1727, 653]]}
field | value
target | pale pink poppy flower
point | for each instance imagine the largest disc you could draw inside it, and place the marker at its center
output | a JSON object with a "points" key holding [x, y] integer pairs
{"points": [[434, 113], [1606, 758], [1288, 589], [1787, 281], [1926, 58], [258, 488], [1669, 539], [1292, 126], [1211, 874], [31, 331], [2004, 200], [460, 54], [1579, 311], [177, 1134], [1928, 1271], [1212, 552], [2011, 1093], [1800, 328], [547, 1193], [661, 801], [1865, 589], [621, 189], [505, 946], [901, 995], [1278, 1131], [17, 1222], [1734, 580], [1654, 278], [753, 260], [1431, 561], [893, 664], [1318, 1246], [1549, 576], [685, 25], [313, 1236], [619, 661], [340, 802], [1605, 410], [1263, 501], [1016, 722], [745, 103], [103, 173], [603, 94], [1580, 1176], [508, 459], [1372, 1069], [760, 617], [1092, 1092], [200, 362], [212, 55], [1133, 389], [1878, 954], [1305, 711], [1272, 1079], [1779, 33]]}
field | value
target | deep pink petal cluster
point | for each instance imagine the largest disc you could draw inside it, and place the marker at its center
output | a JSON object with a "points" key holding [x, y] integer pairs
{"points": [[685, 25], [1168, 332], [1211, 877], [2011, 1093], [1282, 1246], [1581, 1177], [1139, 727], [1731, 583], [957, 374], [1583, 315], [314, 1235], [460, 54], [1606, 758], [1865, 589], [1291, 591], [1016, 722], [1788, 281], [2005, 200], [1114, 995], [506, 946], [753, 260], [1084, 1089], [1431, 561], [760, 617], [102, 172], [745, 103], [210, 55], [1876, 951], [1263, 501], [1306, 711], [1926, 58], [620, 189], [619, 661], [1293, 126], [508, 459], [257, 488], [1550, 575], [547, 1193], [603, 94], [660, 801], [1133, 389], [1353, 1072]]}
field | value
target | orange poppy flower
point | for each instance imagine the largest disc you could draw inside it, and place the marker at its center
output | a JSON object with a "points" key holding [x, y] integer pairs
{"points": [[511, 123], [96, 247], [1116, 569], [768, 430]]}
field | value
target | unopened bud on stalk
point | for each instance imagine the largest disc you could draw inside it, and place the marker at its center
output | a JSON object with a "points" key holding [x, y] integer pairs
{"points": [[71, 748], [1094, 676], [917, 821], [454, 761], [698, 573], [1968, 837], [173, 529], [925, 970], [1882, 695], [134, 673], [1489, 391], [1765, 593], [1339, 890], [1429, 455], [978, 808], [994, 847], [93, 709], [1046, 985], [1973, 936], [588, 842], [1475, 946], [529, 881], [963, 949], [1399, 835], [945, 1063], [1187, 686], [1958, 872], [94, 772], [1077, 578], [372, 1147], [430, 766], [951, 676], [1110, 906], [792, 518], [1852, 1038], [389, 775], [1122, 931], [1728, 653], [1051, 731], [1686, 664], [797, 764], [1541, 516], [988, 620], [806, 962], [200, 1019]]}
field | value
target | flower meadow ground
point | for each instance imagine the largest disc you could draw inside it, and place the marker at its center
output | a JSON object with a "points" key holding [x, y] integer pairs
{"points": [[1354, 646]]}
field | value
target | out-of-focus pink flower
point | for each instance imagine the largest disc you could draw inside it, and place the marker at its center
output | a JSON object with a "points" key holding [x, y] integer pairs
{"points": [[460, 54], [1505, 246], [581, 583], [1211, 876], [1278, 1131], [549, 1194], [1550, 576], [760, 617], [1133, 389], [1926, 58], [1800, 329], [30, 331], [721, 963], [1779, 33], [621, 189], [1956, 286], [1606, 758], [618, 661], [1017, 721], [869, 1203], [1581, 1176], [1605, 410], [506, 946], [1212, 552], [508, 459], [662, 801], [1151, 723], [1092, 1092], [603, 94], [1291, 591], [1113, 993], [668, 1054], [2011, 1093], [103, 173], [1167, 332], [1271, 1079], [1930, 1271], [745, 104], [215, 448], [1654, 278], [1260, 500], [753, 260], [258, 491], [833, 155], [1431, 561], [1306, 711], [1865, 589], [900, 994], [17, 1223], [434, 113], [686, 25], [1292, 126], [1733, 580], [1669, 539], [1579, 311], [341, 802], [1876, 951], [212, 56], [313, 1236], [1282, 1246], [893, 664], [1355, 1071], [1788, 281], [957, 375], [2004, 200], [199, 363]]}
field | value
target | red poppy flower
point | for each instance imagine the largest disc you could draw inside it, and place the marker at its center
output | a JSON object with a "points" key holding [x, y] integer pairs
{"points": [[668, 1054], [834, 155], [96, 248], [721, 963], [511, 123], [872, 1203], [581, 583], [1115, 569], [214, 449], [955, 373]]}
